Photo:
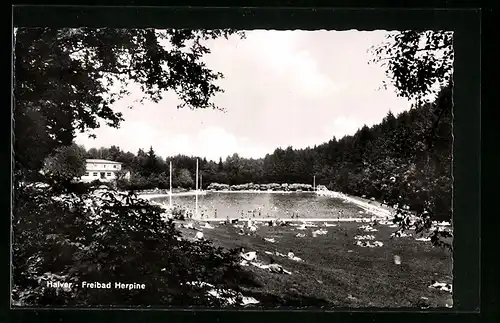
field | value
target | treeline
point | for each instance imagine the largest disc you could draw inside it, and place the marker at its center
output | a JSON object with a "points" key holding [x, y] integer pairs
{"points": [[404, 159]]}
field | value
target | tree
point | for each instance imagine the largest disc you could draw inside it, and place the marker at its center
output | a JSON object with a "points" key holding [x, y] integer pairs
{"points": [[233, 168], [139, 182], [114, 153], [220, 165], [66, 163], [416, 61], [140, 162], [120, 181], [93, 153], [184, 179], [151, 165], [126, 158], [66, 80], [163, 180], [32, 144]]}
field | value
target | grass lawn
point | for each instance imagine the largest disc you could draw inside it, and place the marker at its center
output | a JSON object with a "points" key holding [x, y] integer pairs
{"points": [[337, 273]]}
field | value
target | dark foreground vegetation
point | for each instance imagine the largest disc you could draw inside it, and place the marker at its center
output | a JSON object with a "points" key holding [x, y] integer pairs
{"points": [[109, 237], [67, 232], [64, 232]]}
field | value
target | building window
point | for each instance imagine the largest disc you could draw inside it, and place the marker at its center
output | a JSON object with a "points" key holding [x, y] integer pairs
{"points": [[86, 173], [114, 166], [109, 174], [94, 174]]}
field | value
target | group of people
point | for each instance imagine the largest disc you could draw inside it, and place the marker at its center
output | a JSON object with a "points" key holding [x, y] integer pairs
{"points": [[253, 213]]}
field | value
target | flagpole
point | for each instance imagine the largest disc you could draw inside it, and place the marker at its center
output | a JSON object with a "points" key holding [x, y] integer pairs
{"points": [[196, 206], [170, 195]]}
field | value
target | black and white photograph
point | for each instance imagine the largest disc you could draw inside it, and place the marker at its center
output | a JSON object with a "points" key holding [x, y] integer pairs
{"points": [[227, 168]]}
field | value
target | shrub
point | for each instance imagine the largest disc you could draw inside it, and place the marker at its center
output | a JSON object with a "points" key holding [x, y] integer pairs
{"points": [[105, 236], [65, 164]]}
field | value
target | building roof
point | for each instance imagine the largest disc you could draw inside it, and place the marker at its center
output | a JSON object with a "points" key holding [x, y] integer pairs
{"points": [[102, 161]]}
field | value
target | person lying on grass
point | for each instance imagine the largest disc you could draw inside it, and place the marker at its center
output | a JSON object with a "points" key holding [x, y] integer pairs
{"points": [[248, 256], [277, 268]]}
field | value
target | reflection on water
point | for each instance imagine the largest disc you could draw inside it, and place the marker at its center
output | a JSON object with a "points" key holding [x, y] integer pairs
{"points": [[262, 205]]}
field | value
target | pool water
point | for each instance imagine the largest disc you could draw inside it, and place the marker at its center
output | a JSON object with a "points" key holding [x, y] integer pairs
{"points": [[267, 205]]}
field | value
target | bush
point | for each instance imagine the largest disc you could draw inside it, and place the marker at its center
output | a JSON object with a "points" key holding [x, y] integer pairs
{"points": [[65, 163], [97, 183], [123, 184], [105, 236]]}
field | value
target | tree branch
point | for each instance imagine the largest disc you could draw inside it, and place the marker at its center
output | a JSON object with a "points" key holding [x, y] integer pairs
{"points": [[416, 51]]}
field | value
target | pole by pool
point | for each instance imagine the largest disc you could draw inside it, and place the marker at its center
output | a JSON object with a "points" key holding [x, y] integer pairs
{"points": [[170, 195], [196, 206]]}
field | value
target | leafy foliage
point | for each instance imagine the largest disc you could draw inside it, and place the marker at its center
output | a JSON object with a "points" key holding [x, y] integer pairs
{"points": [[184, 178], [423, 226], [66, 163], [66, 80], [103, 236], [416, 61]]}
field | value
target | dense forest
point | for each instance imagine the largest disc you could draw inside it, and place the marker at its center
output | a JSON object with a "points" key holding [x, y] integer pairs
{"points": [[407, 155]]}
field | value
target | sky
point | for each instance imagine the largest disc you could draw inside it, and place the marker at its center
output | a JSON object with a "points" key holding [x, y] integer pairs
{"points": [[282, 88]]}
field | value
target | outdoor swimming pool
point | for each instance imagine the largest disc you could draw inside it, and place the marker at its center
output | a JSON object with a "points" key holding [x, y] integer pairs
{"points": [[263, 205]]}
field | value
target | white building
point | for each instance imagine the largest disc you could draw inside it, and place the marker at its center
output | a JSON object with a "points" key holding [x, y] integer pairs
{"points": [[102, 170]]}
